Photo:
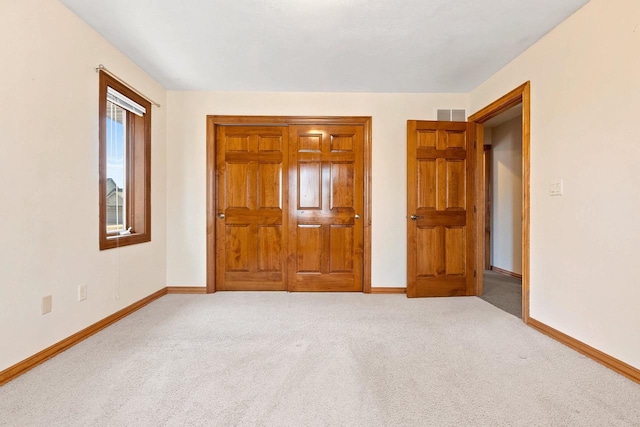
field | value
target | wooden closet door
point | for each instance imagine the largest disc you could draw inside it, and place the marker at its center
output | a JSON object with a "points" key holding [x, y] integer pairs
{"points": [[325, 215], [252, 193]]}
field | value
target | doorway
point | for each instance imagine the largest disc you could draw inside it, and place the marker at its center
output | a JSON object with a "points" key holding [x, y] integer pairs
{"points": [[287, 197], [502, 270], [482, 121]]}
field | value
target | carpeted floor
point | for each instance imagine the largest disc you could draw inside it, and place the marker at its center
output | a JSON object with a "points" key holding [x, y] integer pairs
{"points": [[304, 359], [505, 292]]}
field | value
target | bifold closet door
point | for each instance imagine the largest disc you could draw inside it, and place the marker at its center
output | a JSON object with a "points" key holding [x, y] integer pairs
{"points": [[251, 226], [326, 208]]}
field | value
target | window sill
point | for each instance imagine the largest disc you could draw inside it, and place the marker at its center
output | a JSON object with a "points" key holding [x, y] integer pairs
{"points": [[118, 241]]}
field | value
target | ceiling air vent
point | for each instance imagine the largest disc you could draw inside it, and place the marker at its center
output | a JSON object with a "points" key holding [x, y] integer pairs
{"points": [[451, 115]]}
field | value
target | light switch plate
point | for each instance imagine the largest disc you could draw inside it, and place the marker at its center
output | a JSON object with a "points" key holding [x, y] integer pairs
{"points": [[82, 292], [47, 304], [555, 188]]}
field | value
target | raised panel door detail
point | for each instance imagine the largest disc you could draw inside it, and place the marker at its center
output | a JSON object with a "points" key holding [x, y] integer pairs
{"points": [[427, 184], [456, 180], [310, 143], [441, 183], [455, 251], [269, 185], [269, 248], [309, 185], [429, 242], [237, 239], [238, 186], [237, 143], [427, 139], [309, 248], [341, 143], [456, 139], [341, 251], [342, 183], [441, 140], [269, 143]]}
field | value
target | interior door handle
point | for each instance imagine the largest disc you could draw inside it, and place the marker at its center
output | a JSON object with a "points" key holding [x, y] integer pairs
{"points": [[221, 216], [415, 217]]}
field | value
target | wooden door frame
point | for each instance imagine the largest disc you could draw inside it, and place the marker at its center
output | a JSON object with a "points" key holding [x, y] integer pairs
{"points": [[521, 94], [213, 121]]}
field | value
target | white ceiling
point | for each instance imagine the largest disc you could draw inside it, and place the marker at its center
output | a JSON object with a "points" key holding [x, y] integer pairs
{"points": [[417, 46]]}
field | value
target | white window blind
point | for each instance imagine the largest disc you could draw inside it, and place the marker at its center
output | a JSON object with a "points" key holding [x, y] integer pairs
{"points": [[124, 102]]}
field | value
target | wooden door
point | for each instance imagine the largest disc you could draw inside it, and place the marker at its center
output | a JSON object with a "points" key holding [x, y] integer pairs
{"points": [[488, 196], [251, 207], [326, 212], [440, 209]]}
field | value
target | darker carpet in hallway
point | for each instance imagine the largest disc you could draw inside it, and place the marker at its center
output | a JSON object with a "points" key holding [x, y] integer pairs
{"points": [[504, 292]]}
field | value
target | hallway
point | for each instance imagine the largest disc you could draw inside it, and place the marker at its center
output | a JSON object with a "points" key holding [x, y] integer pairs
{"points": [[504, 292]]}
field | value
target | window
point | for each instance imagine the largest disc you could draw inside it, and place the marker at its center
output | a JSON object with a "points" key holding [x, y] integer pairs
{"points": [[125, 165]]}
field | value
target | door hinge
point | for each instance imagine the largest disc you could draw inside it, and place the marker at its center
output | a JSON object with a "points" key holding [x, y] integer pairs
{"points": [[474, 273], [474, 144], [475, 209]]}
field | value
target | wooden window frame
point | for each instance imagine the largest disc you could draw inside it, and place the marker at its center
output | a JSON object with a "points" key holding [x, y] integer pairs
{"points": [[138, 183]]}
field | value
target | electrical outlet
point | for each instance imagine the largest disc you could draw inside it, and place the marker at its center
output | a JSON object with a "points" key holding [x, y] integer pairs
{"points": [[556, 188], [47, 304], [82, 292]]}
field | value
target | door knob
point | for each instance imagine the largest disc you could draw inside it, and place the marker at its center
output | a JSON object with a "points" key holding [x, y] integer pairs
{"points": [[357, 216], [221, 216], [415, 217]]}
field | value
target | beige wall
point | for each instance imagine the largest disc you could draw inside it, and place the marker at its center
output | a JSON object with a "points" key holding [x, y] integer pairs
{"points": [[186, 167], [49, 181], [585, 99], [506, 210]]}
